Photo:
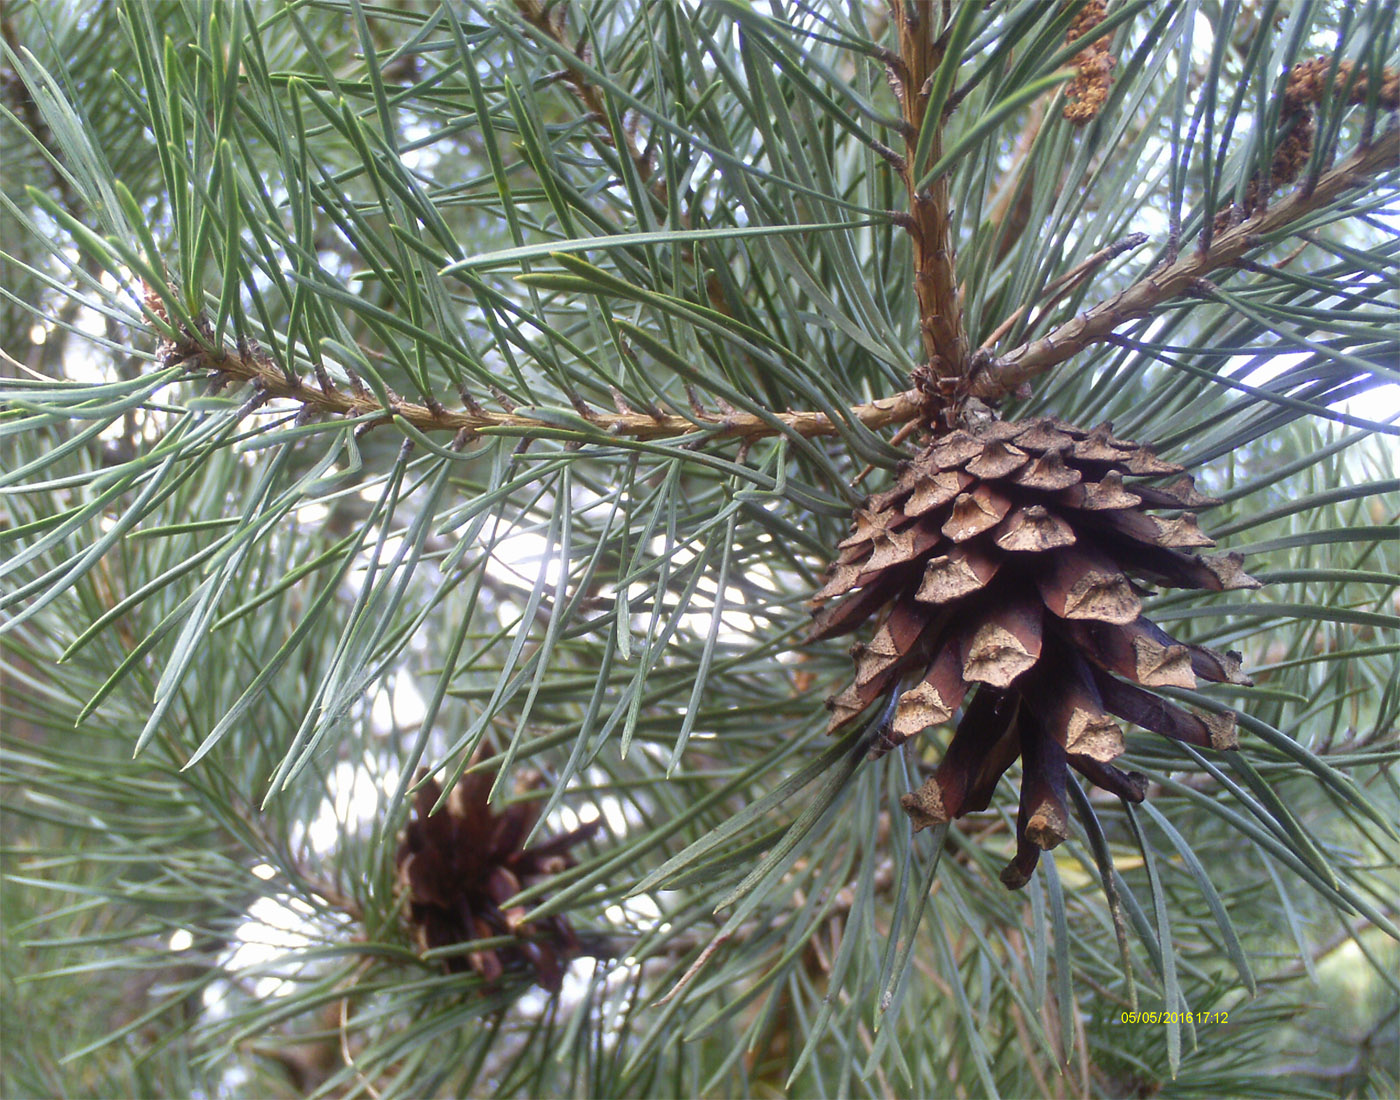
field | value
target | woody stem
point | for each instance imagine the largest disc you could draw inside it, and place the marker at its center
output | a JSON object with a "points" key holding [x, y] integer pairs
{"points": [[935, 284]]}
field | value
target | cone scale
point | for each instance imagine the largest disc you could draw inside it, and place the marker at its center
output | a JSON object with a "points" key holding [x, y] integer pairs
{"points": [[1003, 573]]}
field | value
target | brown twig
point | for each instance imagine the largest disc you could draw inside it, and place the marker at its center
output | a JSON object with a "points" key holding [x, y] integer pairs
{"points": [[1003, 375], [272, 383], [935, 281], [1061, 286], [983, 376], [992, 380]]}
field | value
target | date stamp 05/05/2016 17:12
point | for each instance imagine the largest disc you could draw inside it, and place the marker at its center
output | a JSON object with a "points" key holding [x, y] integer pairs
{"points": [[1173, 1017]]}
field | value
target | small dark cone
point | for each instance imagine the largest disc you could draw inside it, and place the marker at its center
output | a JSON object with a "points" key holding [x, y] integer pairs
{"points": [[457, 867], [1004, 567]]}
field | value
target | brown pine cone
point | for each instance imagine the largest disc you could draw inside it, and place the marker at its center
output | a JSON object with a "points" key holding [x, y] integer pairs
{"points": [[1005, 564], [459, 865]]}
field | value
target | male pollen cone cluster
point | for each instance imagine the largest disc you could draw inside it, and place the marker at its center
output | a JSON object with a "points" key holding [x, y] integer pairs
{"points": [[1305, 85], [1006, 561], [457, 867], [1088, 91]]}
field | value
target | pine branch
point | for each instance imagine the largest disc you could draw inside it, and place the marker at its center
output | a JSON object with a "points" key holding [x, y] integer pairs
{"points": [[992, 381], [549, 20], [1004, 374], [1067, 282], [329, 400], [556, 609], [935, 282]]}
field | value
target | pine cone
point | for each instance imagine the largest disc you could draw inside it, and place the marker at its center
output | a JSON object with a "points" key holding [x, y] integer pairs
{"points": [[458, 865], [1002, 560]]}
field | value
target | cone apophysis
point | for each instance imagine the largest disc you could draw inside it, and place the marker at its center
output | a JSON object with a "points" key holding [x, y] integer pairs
{"points": [[457, 867], [1005, 567]]}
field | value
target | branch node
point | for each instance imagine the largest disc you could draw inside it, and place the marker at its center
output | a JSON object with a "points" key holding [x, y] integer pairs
{"points": [[581, 406], [469, 402], [369, 426], [895, 161], [885, 55], [620, 402], [503, 399], [255, 402], [696, 406]]}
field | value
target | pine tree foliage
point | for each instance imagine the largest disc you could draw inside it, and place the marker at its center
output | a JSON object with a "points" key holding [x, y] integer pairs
{"points": [[483, 386]]}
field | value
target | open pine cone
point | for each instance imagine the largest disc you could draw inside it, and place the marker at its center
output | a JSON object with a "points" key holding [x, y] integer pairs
{"points": [[458, 865], [1001, 559]]}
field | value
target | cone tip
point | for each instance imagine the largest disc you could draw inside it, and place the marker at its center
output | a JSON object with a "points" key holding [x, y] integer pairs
{"points": [[925, 806], [1224, 734]]}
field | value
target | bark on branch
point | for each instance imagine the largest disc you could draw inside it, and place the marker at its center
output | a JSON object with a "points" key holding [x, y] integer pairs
{"points": [[996, 378], [270, 381], [935, 281], [1002, 375]]}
